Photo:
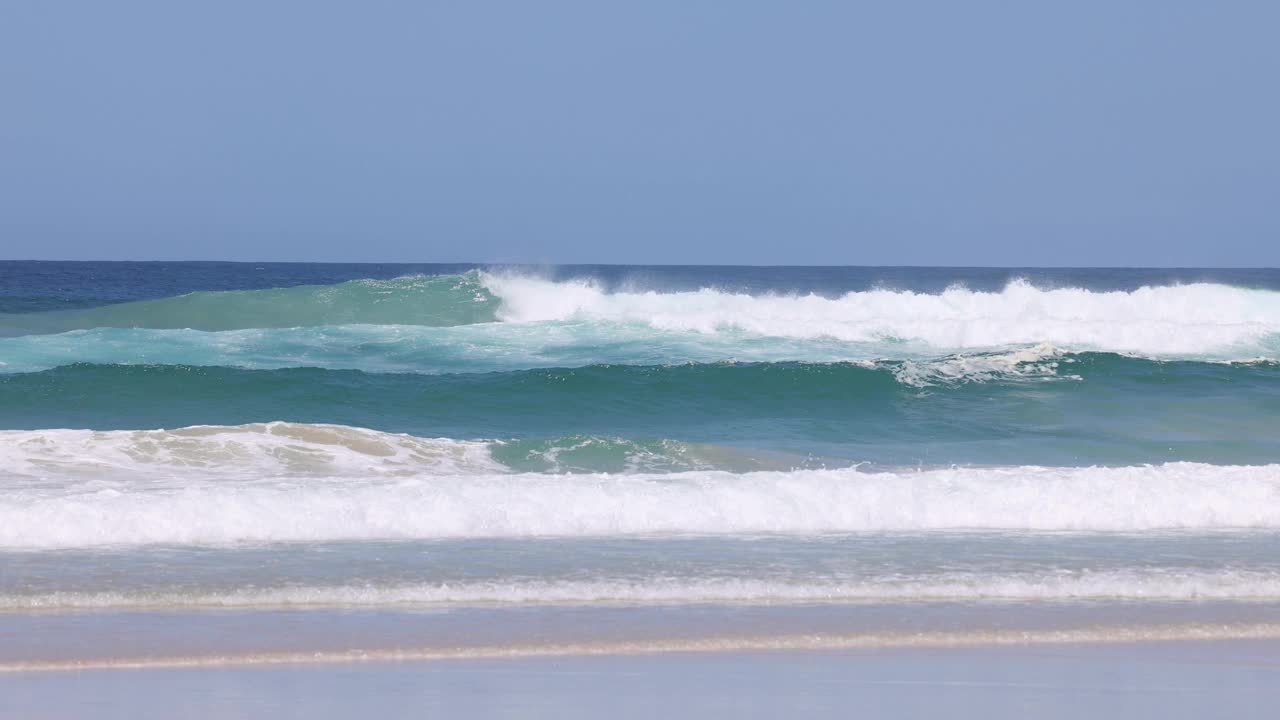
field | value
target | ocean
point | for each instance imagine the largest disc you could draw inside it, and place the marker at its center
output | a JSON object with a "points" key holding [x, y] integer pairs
{"points": [[244, 463]]}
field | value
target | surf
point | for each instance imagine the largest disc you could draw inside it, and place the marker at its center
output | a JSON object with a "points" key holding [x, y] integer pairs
{"points": [[1177, 320], [233, 507]]}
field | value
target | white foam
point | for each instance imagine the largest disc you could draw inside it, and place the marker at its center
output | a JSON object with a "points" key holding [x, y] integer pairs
{"points": [[1039, 362], [275, 449], [1164, 585], [1184, 320], [233, 507]]}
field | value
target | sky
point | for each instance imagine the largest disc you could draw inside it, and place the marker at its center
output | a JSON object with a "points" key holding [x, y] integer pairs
{"points": [[728, 132]]}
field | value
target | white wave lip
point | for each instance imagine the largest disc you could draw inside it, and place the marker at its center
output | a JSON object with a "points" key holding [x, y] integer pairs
{"points": [[235, 508], [1180, 320], [1170, 585]]}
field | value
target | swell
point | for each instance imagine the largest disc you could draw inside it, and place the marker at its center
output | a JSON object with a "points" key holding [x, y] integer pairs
{"points": [[239, 509], [499, 347], [481, 347], [1086, 409], [1204, 321], [439, 300]]}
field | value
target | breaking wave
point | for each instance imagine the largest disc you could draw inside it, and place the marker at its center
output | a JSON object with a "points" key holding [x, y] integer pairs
{"points": [[235, 507], [1167, 321], [1195, 321]]}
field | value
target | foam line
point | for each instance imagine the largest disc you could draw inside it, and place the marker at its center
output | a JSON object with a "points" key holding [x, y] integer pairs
{"points": [[927, 639], [1130, 585], [237, 507]]}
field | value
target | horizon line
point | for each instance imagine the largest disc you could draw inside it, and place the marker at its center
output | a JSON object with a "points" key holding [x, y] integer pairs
{"points": [[655, 264]]}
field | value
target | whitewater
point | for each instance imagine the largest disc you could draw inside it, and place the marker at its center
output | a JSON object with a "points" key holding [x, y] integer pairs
{"points": [[192, 509]]}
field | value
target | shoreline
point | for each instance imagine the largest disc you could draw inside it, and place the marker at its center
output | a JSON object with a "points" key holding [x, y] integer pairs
{"points": [[976, 639]]}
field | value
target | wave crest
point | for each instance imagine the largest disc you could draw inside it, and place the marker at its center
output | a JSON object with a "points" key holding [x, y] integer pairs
{"points": [[1181, 320]]}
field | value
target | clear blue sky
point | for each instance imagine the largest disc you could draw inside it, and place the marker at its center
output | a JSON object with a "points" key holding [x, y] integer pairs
{"points": [[934, 133]]}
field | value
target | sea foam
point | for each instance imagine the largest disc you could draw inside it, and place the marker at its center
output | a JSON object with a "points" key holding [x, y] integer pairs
{"points": [[1139, 584], [256, 450], [227, 505], [1181, 320]]}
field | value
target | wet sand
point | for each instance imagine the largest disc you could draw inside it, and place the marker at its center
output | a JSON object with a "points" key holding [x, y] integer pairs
{"points": [[1180, 679]]}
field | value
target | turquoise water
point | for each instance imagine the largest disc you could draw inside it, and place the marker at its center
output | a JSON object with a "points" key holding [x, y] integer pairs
{"points": [[186, 437], [1090, 408]]}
